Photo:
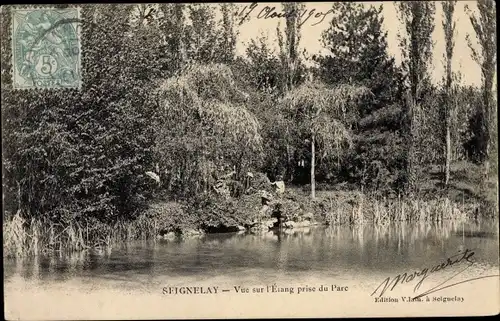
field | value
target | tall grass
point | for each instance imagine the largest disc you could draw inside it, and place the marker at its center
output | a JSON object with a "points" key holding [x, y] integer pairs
{"points": [[380, 211], [14, 236], [27, 237], [23, 237]]}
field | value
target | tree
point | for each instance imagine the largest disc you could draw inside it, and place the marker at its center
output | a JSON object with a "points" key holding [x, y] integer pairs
{"points": [[229, 32], [356, 52], [289, 44], [260, 73], [264, 67], [356, 45], [112, 117], [449, 33], [74, 155], [485, 29], [172, 24], [206, 39], [204, 130], [188, 34], [418, 20], [319, 112], [291, 65]]}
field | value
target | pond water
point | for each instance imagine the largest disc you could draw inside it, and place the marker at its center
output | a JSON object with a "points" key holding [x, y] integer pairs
{"points": [[356, 257]]}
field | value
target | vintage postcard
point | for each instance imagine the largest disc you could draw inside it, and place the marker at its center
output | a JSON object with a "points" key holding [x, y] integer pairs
{"points": [[249, 160]]}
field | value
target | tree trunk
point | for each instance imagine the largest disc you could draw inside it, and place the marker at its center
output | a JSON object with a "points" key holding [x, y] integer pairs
{"points": [[449, 29], [313, 160], [447, 119], [448, 155], [410, 168], [487, 119], [289, 171], [486, 134], [447, 123], [181, 50]]}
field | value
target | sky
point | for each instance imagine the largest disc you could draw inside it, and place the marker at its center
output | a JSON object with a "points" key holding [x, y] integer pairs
{"points": [[312, 29]]}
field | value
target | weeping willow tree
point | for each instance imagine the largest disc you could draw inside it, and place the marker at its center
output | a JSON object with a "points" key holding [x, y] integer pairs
{"points": [[204, 130], [322, 114]]}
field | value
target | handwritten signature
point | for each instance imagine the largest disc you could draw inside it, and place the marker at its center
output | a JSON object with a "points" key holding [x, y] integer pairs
{"points": [[269, 12], [407, 277]]}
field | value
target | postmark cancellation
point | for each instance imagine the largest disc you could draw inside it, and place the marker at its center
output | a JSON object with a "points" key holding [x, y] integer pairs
{"points": [[46, 52]]}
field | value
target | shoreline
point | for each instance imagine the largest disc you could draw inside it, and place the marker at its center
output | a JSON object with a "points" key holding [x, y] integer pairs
{"points": [[176, 220]]}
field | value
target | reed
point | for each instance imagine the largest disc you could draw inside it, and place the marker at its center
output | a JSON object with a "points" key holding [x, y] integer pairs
{"points": [[23, 237], [32, 236], [410, 210], [362, 209], [14, 236]]}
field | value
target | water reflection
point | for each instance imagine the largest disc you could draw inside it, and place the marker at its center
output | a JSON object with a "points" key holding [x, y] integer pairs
{"points": [[333, 251]]}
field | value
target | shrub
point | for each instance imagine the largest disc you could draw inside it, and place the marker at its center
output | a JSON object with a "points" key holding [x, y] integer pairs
{"points": [[163, 217], [74, 154], [260, 182]]}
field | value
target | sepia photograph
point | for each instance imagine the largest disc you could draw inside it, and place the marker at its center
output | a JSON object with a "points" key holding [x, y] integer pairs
{"points": [[249, 160]]}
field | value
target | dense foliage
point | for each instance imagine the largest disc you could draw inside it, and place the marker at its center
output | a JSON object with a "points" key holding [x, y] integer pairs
{"points": [[204, 131], [80, 153], [168, 113], [357, 54]]}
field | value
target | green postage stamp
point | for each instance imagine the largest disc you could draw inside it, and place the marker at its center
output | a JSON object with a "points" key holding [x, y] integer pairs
{"points": [[46, 48]]}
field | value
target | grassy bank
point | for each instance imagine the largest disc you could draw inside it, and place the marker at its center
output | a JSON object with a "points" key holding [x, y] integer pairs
{"points": [[23, 237], [462, 199]]}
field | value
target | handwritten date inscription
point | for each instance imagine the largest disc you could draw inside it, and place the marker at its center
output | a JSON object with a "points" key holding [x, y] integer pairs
{"points": [[268, 12]]}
